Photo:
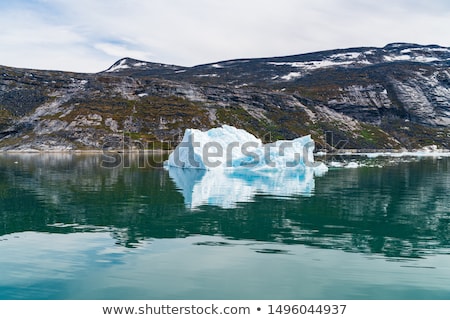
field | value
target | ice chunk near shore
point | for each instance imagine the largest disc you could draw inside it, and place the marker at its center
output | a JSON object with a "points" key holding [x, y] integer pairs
{"points": [[427, 151], [231, 148]]}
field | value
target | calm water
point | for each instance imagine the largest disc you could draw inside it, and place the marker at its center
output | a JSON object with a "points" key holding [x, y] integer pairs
{"points": [[70, 229]]}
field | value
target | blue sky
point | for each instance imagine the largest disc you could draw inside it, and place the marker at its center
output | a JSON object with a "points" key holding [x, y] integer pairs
{"points": [[90, 35]]}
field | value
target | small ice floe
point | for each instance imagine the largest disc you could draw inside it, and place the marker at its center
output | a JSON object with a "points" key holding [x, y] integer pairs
{"points": [[336, 164], [352, 165], [321, 153]]}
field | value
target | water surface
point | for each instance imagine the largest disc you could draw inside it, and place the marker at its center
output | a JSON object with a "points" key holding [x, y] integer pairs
{"points": [[70, 229]]}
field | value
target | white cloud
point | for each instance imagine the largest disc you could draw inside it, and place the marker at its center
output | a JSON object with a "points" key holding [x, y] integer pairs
{"points": [[121, 51], [90, 35]]}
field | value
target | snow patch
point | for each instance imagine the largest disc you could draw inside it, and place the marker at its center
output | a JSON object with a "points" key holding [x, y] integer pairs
{"points": [[312, 65], [440, 49], [346, 55], [211, 75], [425, 59], [121, 66], [403, 57], [291, 76], [410, 57], [139, 64], [335, 60]]}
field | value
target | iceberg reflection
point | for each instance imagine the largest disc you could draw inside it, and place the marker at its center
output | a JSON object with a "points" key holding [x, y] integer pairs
{"points": [[227, 188]]}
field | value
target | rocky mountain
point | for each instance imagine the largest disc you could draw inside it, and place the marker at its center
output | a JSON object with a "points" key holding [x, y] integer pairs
{"points": [[365, 98]]}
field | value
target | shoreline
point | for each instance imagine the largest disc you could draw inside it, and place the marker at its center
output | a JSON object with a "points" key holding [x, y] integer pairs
{"points": [[343, 152], [87, 151], [387, 153]]}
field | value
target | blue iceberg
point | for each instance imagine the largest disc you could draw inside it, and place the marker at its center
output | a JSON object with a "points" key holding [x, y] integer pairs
{"points": [[231, 148], [227, 166]]}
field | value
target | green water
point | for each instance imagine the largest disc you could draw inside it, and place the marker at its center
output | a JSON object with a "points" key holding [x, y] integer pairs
{"points": [[70, 229]]}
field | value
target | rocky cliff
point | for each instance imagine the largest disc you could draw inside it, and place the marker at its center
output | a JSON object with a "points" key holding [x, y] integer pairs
{"points": [[365, 98]]}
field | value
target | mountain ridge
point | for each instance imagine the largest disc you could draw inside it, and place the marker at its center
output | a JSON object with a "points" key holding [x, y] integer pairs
{"points": [[394, 45], [393, 97]]}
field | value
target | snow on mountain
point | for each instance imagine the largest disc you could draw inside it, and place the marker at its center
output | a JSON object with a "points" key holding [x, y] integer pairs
{"points": [[360, 57], [423, 55], [119, 65], [132, 65], [289, 68]]}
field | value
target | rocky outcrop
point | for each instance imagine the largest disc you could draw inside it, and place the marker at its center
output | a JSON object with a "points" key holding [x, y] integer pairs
{"points": [[367, 98]]}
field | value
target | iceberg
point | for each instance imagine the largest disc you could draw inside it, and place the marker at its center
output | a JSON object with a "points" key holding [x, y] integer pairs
{"points": [[230, 148], [227, 166]]}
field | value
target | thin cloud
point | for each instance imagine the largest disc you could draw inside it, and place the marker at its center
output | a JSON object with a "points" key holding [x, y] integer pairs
{"points": [[120, 51], [86, 35]]}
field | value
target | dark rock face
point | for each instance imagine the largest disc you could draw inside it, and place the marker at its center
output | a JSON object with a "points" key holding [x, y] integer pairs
{"points": [[369, 98]]}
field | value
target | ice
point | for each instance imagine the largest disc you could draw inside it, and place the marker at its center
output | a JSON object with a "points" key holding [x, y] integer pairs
{"points": [[427, 151], [352, 165], [226, 166], [336, 164], [227, 189], [385, 158], [230, 148]]}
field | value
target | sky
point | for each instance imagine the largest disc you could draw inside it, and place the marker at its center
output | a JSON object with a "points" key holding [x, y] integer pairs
{"points": [[90, 35]]}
